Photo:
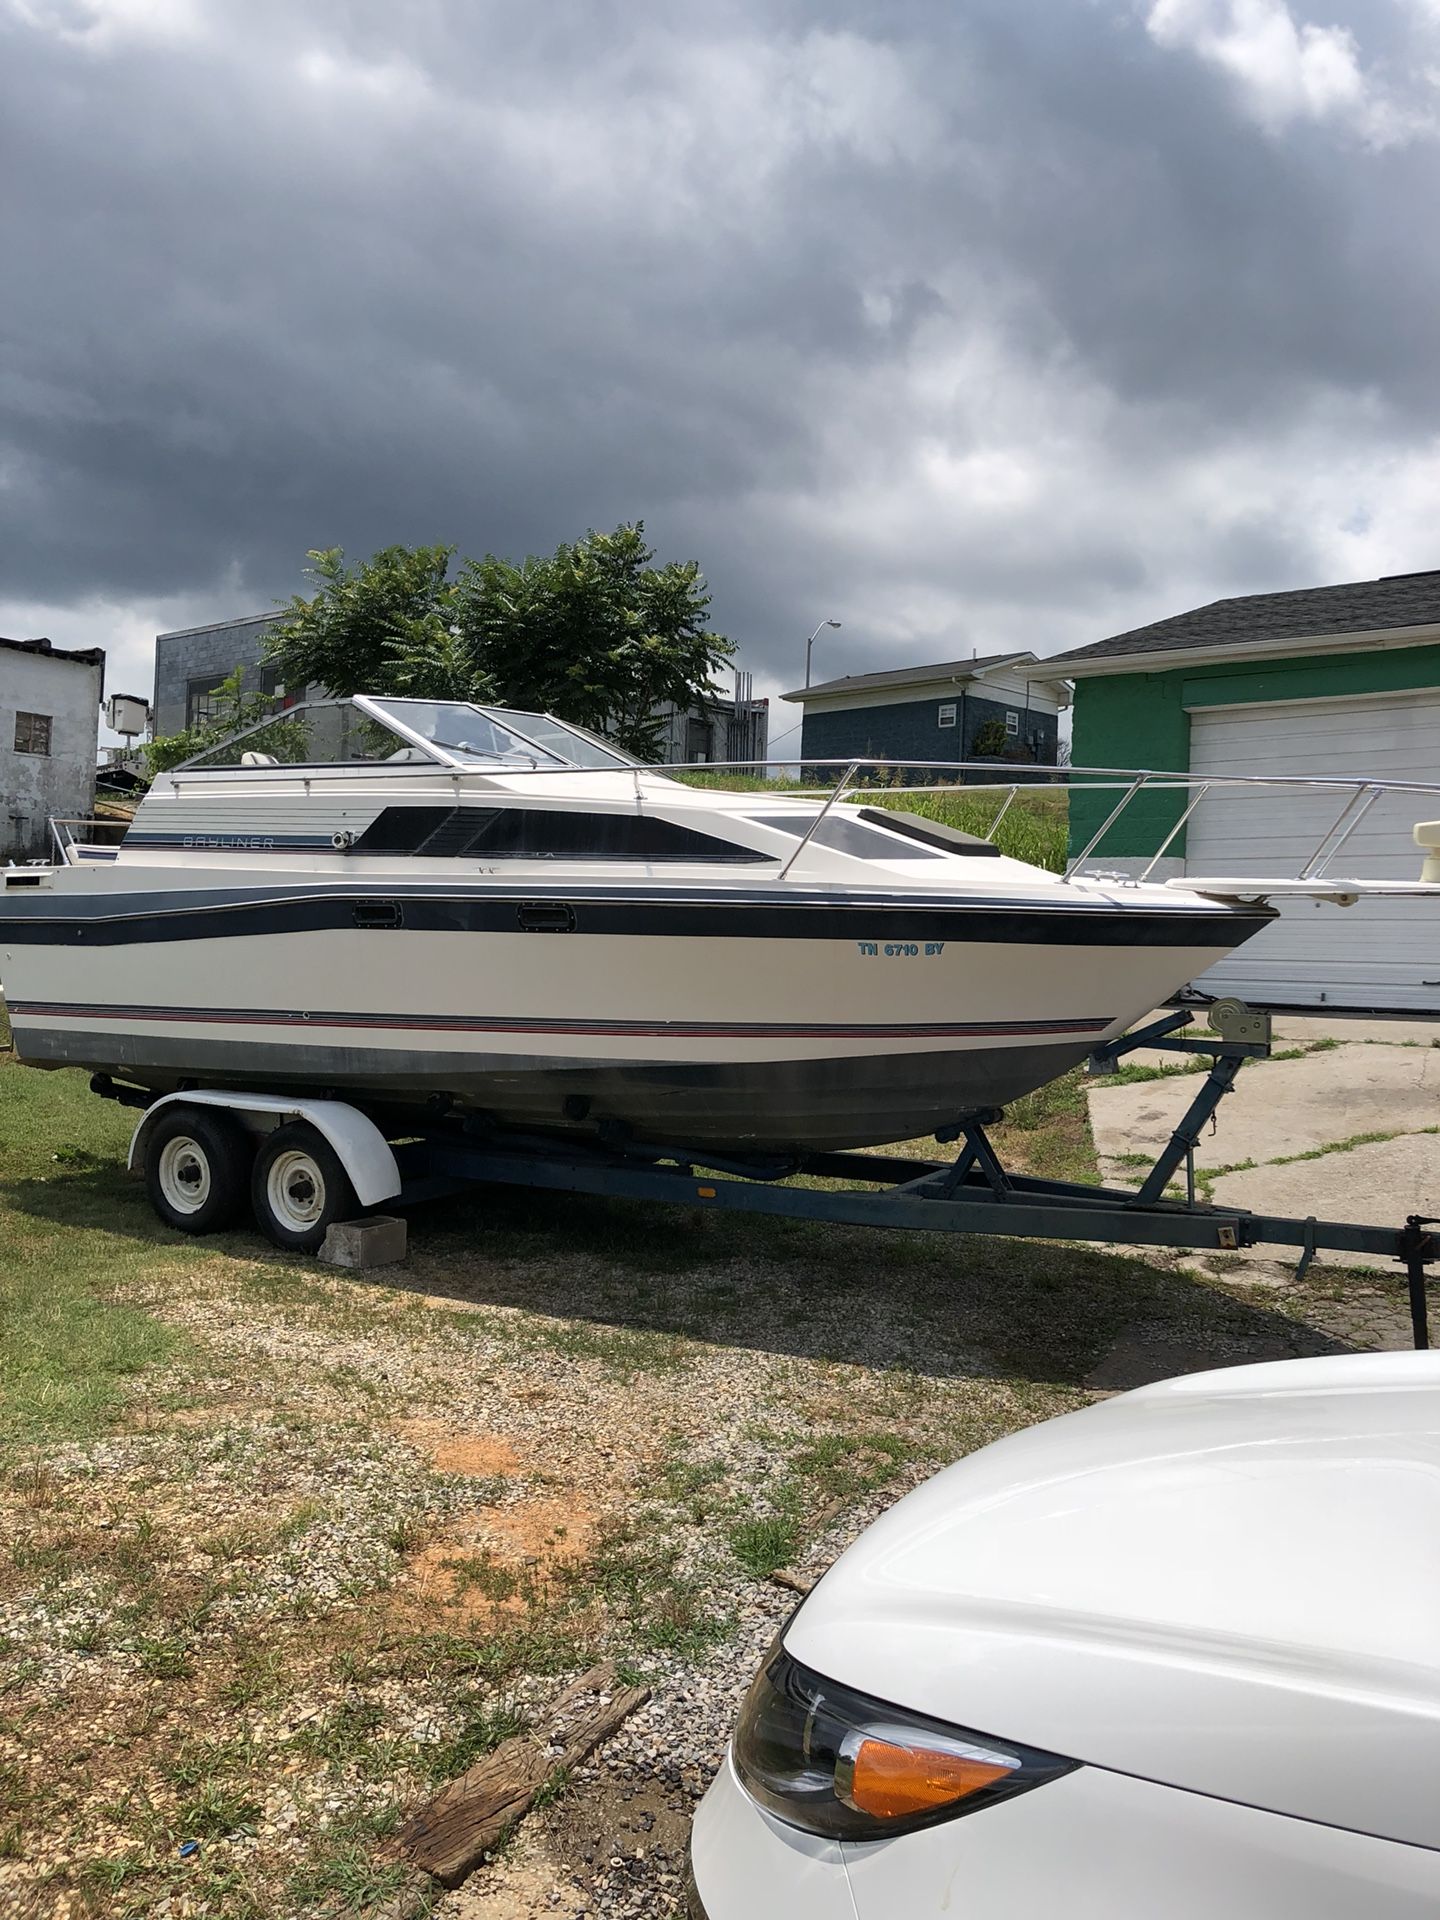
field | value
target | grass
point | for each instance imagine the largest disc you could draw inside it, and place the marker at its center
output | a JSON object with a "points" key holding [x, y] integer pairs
{"points": [[763, 1544], [67, 1354], [69, 1350], [1048, 1132]]}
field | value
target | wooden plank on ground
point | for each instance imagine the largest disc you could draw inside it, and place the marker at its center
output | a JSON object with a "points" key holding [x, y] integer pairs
{"points": [[447, 1837]]}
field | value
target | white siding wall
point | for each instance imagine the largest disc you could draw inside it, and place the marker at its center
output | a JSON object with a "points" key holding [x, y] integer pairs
{"points": [[34, 786]]}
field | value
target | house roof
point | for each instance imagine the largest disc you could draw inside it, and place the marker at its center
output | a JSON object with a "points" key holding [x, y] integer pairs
{"points": [[946, 672], [1267, 620], [83, 656]]}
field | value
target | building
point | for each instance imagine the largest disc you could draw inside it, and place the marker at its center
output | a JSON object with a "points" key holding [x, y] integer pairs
{"points": [[191, 662], [986, 707], [49, 734], [1340, 680], [733, 727]]}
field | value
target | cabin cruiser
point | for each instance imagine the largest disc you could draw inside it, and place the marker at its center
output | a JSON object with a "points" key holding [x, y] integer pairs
{"points": [[409, 903]]}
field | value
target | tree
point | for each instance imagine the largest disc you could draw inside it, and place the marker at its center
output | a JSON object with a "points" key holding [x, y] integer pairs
{"points": [[387, 625], [595, 633]]}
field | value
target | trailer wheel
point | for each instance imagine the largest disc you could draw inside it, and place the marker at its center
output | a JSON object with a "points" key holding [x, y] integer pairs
{"points": [[299, 1187], [197, 1169]]}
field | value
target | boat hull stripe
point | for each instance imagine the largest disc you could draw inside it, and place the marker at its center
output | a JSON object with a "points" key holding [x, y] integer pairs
{"points": [[630, 1029], [110, 919]]}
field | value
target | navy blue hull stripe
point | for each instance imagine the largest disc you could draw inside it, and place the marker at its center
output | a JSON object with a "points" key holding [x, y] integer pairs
{"points": [[111, 919], [643, 1029]]}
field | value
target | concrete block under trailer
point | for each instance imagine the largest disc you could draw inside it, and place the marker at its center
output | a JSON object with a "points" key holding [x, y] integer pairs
{"points": [[296, 1165]]}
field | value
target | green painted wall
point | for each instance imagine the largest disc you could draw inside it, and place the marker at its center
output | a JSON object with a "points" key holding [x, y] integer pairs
{"points": [[1141, 720]]}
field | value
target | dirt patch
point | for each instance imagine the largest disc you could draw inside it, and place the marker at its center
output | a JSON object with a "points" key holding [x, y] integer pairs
{"points": [[504, 1561], [476, 1456]]}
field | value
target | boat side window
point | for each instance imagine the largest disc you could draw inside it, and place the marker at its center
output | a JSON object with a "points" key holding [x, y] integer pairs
{"points": [[843, 835], [534, 833]]}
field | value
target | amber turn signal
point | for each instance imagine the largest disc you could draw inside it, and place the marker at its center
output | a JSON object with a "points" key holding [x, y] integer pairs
{"points": [[890, 1781]]}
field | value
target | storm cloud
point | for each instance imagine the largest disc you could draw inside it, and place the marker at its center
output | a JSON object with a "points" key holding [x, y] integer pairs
{"points": [[1018, 322]]}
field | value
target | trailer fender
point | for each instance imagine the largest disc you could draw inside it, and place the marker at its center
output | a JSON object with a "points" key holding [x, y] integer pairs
{"points": [[364, 1151]]}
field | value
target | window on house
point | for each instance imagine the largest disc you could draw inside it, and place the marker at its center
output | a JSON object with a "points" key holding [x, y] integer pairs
{"points": [[32, 733], [202, 700], [1012, 723], [947, 715]]}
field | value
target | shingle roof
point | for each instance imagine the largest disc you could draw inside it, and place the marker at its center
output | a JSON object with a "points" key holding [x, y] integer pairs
{"points": [[86, 656], [1360, 606], [946, 670]]}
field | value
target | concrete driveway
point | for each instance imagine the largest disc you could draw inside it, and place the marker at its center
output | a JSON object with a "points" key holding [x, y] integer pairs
{"points": [[1346, 1126]]}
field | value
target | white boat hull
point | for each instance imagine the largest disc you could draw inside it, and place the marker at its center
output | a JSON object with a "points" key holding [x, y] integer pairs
{"points": [[827, 1024]]}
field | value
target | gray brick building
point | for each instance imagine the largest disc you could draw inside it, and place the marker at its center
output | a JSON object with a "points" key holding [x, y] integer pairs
{"points": [[191, 662], [949, 711]]}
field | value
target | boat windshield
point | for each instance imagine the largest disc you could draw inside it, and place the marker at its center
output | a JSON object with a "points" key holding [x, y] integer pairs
{"points": [[450, 732], [562, 737]]}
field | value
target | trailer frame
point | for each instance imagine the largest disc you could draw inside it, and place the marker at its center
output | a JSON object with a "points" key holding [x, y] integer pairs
{"points": [[439, 1152]]}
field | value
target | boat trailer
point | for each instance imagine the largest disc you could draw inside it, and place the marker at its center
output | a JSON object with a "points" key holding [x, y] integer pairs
{"points": [[441, 1153]]}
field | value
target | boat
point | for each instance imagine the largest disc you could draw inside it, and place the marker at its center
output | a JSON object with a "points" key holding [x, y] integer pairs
{"points": [[443, 906]]}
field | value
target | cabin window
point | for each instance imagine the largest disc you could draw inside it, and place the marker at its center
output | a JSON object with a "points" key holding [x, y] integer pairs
{"points": [[32, 733], [947, 714], [532, 833], [844, 835], [1012, 723]]}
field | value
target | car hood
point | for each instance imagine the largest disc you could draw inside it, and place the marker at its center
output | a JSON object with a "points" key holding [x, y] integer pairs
{"points": [[1228, 1582]]}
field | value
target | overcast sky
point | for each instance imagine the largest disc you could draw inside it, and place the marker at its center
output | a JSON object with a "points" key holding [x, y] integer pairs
{"points": [[970, 323]]}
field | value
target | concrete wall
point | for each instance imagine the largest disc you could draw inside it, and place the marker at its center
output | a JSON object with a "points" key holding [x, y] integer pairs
{"points": [[34, 786], [211, 653], [898, 730], [1143, 720]]}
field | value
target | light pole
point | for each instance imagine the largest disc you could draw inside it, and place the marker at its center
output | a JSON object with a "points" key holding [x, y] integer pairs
{"points": [[811, 641]]}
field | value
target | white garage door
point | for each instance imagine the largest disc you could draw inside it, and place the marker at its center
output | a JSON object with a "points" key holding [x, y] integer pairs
{"points": [[1378, 953]]}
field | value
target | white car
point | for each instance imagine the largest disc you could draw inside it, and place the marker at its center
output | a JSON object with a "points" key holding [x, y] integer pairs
{"points": [[1175, 1655]]}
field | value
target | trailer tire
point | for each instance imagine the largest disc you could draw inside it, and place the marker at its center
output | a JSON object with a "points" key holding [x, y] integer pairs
{"points": [[299, 1188], [197, 1169]]}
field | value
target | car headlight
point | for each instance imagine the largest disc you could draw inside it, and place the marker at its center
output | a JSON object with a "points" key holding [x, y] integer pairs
{"points": [[835, 1762]]}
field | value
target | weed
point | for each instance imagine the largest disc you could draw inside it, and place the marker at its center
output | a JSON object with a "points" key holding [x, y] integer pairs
{"points": [[481, 1572], [347, 1880], [299, 1521], [843, 1465], [215, 1811], [761, 1545], [199, 1761], [406, 1535], [1345, 1146], [482, 1728], [163, 1659], [258, 1673]]}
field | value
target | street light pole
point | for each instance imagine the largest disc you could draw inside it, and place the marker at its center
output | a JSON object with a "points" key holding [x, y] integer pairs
{"points": [[811, 641]]}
